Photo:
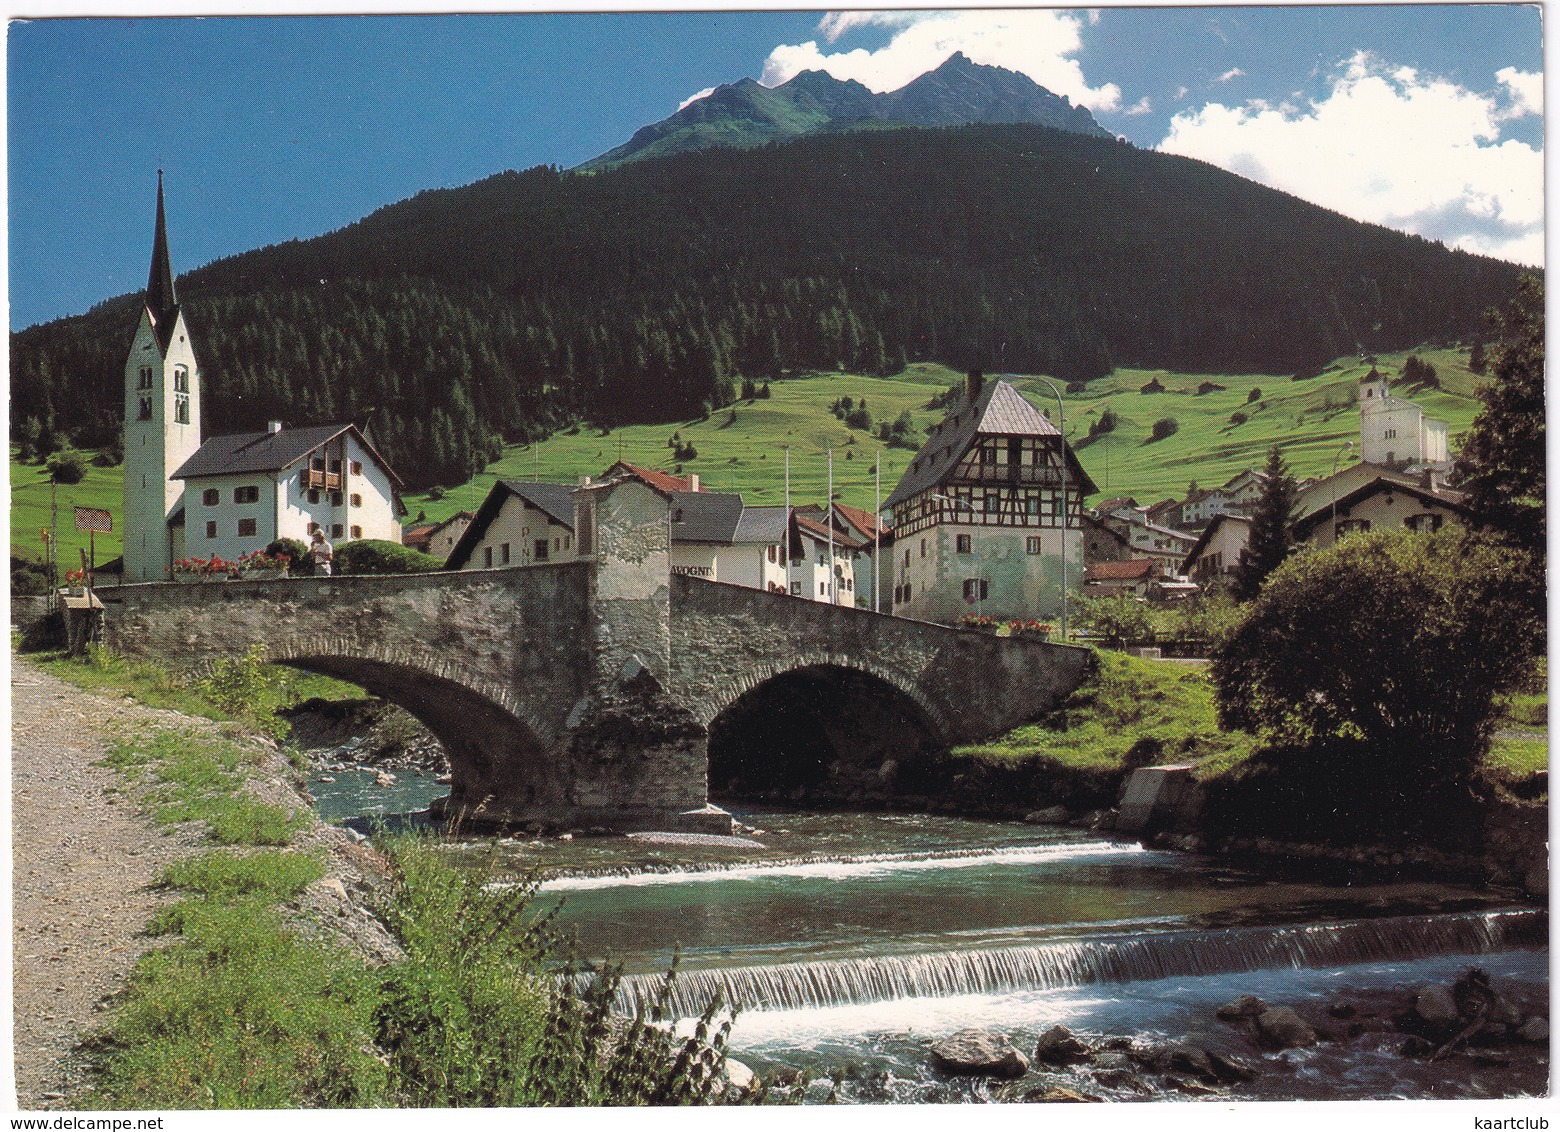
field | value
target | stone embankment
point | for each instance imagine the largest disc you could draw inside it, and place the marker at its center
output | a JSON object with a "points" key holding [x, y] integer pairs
{"points": [[86, 860]]}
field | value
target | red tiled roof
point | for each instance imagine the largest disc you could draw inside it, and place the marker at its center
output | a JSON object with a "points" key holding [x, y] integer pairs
{"points": [[1132, 568], [864, 521], [661, 481], [821, 531]]}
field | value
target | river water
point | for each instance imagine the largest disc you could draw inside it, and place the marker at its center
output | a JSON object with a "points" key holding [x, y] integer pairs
{"points": [[850, 941]]}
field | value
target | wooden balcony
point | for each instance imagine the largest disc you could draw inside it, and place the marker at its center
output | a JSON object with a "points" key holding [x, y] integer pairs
{"points": [[1009, 474], [314, 478]]}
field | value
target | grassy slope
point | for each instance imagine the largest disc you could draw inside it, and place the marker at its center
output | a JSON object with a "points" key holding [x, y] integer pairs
{"points": [[1311, 418]]}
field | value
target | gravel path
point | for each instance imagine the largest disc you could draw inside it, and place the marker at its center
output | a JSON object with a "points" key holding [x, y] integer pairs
{"points": [[83, 859]]}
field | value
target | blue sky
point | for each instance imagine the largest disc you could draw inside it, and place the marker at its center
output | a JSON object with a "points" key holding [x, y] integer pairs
{"points": [[1426, 118]]}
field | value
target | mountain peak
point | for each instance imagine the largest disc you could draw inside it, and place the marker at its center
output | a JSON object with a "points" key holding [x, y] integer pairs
{"points": [[745, 114]]}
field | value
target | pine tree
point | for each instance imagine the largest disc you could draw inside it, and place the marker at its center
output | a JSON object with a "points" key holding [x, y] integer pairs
{"points": [[1270, 542]]}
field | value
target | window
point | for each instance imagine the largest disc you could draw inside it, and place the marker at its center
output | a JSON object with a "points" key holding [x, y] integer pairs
{"points": [[557, 544], [907, 591], [962, 544], [503, 553], [907, 556], [314, 495], [567, 540], [335, 499], [975, 589], [991, 503], [181, 410], [1032, 544], [1423, 523], [357, 467], [357, 500], [335, 530], [796, 589], [923, 548], [211, 528], [822, 590], [1350, 526], [249, 494], [540, 553], [318, 463], [246, 528], [677, 514], [181, 380], [335, 467], [357, 532], [145, 381], [211, 497], [143, 411], [770, 553], [487, 556]]}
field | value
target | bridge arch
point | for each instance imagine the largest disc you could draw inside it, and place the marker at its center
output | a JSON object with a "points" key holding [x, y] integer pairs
{"points": [[821, 729], [498, 760]]}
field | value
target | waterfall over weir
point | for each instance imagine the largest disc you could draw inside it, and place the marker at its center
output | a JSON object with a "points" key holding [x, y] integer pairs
{"points": [[1096, 959]]}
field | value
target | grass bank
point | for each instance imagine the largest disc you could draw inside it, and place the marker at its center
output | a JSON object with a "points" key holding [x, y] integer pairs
{"points": [[248, 1003]]}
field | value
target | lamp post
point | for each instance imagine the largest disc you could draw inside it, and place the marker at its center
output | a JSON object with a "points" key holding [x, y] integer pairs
{"points": [[1061, 426], [1333, 525]]}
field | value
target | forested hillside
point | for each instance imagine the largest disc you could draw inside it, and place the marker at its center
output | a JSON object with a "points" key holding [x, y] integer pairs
{"points": [[507, 308]]}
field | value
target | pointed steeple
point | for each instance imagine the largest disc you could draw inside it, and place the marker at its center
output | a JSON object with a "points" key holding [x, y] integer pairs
{"points": [[161, 301]]}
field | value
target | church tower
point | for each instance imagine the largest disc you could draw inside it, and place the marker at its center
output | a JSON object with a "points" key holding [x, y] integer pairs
{"points": [[162, 419]]}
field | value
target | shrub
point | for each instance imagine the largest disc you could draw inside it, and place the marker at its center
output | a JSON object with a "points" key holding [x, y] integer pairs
{"points": [[67, 466], [1390, 648], [1119, 618], [1105, 423], [1254, 396], [299, 564], [1238, 418], [379, 556], [28, 576], [1164, 427]]}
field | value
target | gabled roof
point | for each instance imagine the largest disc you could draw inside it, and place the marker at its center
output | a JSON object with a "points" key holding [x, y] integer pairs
{"points": [[1115, 503], [661, 481], [863, 523], [1207, 536], [246, 452], [705, 516], [1452, 500], [1132, 569], [762, 525], [821, 531], [553, 499], [996, 410]]}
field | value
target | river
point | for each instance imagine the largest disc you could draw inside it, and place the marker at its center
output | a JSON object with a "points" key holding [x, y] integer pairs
{"points": [[851, 941]]}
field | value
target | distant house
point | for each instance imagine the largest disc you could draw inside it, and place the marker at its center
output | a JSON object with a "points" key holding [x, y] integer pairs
{"points": [[1217, 553], [439, 538], [1101, 543], [1165, 513], [1150, 540], [811, 575], [519, 524], [1396, 433], [1243, 489], [716, 538], [1369, 497], [661, 481], [981, 524], [1145, 578], [874, 538]]}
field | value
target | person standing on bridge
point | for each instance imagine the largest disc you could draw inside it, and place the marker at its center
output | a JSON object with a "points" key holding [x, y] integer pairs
{"points": [[321, 553]]}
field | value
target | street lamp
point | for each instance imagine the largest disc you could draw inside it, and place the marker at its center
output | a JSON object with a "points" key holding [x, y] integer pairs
{"points": [[1061, 426], [965, 503], [1333, 526]]}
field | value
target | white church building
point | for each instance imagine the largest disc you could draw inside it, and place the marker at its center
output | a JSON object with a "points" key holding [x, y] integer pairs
{"points": [[1396, 433], [229, 495]]}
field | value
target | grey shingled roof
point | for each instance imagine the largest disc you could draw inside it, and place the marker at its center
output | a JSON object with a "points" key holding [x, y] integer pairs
{"points": [[256, 451], [705, 516], [555, 499], [761, 525], [998, 410]]}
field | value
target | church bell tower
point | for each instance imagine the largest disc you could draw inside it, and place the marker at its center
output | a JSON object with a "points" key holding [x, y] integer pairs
{"points": [[162, 419]]}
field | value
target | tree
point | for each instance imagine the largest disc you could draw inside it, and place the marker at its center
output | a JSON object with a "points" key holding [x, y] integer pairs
{"points": [[67, 466], [1270, 541], [1478, 360], [1165, 427], [1255, 395], [1119, 618], [1501, 465], [1394, 645]]}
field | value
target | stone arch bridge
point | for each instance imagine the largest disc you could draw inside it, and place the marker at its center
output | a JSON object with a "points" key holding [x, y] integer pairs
{"points": [[587, 693]]}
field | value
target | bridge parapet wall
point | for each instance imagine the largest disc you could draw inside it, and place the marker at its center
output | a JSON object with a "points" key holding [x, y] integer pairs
{"points": [[517, 637], [728, 639]]}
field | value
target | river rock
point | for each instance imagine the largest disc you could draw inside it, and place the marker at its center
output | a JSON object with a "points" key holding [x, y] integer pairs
{"points": [[739, 1078], [1282, 1028], [983, 1053], [1246, 1006], [1059, 1045], [1535, 1029], [1435, 1007], [1111, 1061], [1226, 1060], [1051, 815], [1055, 1094]]}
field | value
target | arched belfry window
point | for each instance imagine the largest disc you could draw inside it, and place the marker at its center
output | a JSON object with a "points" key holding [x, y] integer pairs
{"points": [[181, 379]]}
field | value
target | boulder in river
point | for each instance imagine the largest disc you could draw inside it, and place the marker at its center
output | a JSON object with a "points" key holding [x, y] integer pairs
{"points": [[1246, 1006], [1435, 1007], [1051, 815], [1281, 1028], [1535, 1029], [981, 1053], [1059, 1045]]}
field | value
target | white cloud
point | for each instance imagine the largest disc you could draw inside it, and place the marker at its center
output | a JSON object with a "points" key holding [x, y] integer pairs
{"points": [[1037, 43], [1232, 73], [1525, 90], [692, 98], [1141, 106], [1389, 146]]}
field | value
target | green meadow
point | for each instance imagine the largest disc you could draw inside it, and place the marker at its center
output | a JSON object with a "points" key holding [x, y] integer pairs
{"points": [[743, 447]]}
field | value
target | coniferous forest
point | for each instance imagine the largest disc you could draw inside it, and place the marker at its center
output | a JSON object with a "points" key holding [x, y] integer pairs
{"points": [[529, 301]]}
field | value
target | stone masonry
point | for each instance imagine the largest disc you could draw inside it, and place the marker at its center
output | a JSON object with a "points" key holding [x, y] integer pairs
{"points": [[581, 694]]}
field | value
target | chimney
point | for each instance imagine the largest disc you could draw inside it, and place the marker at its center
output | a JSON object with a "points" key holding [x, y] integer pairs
{"points": [[693, 482], [973, 383], [273, 426]]}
